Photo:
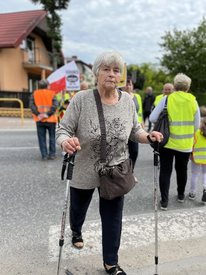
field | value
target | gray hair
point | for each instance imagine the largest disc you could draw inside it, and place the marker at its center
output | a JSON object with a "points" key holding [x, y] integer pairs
{"points": [[108, 58], [182, 82], [43, 84]]}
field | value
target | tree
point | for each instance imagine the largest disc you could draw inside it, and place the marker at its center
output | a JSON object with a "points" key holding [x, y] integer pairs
{"points": [[148, 75], [185, 51], [54, 24]]}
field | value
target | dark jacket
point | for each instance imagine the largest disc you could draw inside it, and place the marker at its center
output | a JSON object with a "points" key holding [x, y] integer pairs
{"points": [[148, 103]]}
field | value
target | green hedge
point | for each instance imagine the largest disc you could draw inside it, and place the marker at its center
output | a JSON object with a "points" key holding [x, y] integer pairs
{"points": [[201, 98]]}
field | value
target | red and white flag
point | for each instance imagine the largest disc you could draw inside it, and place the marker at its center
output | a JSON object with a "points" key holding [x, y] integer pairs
{"points": [[66, 77]]}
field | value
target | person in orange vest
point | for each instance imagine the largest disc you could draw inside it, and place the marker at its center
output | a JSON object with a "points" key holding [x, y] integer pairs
{"points": [[43, 105], [198, 161]]}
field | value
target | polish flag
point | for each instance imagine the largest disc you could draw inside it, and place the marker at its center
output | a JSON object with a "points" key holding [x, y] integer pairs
{"points": [[59, 79]]}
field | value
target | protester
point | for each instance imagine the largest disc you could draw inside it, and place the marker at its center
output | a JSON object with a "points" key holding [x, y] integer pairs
{"points": [[198, 161], [147, 106], [62, 109], [168, 88], [184, 117], [63, 98], [43, 105], [84, 85], [134, 146], [79, 130]]}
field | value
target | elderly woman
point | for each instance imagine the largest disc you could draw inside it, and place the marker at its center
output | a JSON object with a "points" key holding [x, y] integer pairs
{"points": [[79, 131], [184, 117]]}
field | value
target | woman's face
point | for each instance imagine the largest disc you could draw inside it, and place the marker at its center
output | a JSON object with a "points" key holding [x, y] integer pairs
{"points": [[108, 76]]}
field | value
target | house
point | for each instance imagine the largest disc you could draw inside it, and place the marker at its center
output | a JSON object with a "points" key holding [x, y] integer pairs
{"points": [[25, 53]]}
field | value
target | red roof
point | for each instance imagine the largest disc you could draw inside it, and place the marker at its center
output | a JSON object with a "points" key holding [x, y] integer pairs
{"points": [[16, 26]]}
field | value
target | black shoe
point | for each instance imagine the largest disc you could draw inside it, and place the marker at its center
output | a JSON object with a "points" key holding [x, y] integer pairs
{"points": [[181, 198], [51, 157], [44, 158], [204, 196], [115, 270], [163, 205], [77, 240]]}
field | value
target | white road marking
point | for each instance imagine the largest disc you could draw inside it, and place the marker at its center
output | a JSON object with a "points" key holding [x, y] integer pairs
{"points": [[19, 148], [17, 129], [137, 231]]}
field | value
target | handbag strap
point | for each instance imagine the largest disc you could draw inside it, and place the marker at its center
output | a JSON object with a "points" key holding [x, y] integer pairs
{"points": [[165, 107], [102, 126]]}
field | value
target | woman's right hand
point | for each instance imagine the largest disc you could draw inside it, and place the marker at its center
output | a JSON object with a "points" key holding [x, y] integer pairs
{"points": [[71, 145]]}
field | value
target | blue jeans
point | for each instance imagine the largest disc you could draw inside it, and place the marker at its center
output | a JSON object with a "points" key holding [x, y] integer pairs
{"points": [[42, 128], [111, 218]]}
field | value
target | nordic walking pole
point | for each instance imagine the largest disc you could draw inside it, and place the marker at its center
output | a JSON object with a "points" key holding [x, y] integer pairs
{"points": [[70, 161], [156, 163]]}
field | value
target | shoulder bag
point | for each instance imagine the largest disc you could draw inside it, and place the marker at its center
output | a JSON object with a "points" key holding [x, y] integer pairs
{"points": [[116, 180], [162, 126]]}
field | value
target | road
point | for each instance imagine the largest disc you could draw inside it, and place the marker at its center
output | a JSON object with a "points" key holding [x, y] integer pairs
{"points": [[32, 198]]}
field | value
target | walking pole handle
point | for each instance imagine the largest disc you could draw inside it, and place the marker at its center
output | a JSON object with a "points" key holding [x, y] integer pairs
{"points": [[70, 166], [156, 153]]}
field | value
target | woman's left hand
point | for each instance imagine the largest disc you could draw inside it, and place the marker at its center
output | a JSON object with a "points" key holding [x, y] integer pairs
{"points": [[156, 136]]}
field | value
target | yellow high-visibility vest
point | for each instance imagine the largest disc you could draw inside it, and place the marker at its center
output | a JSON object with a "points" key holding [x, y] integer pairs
{"points": [[139, 101], [62, 97], [158, 99], [181, 108], [199, 148]]}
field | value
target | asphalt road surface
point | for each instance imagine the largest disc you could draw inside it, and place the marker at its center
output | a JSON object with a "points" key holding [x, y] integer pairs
{"points": [[31, 204]]}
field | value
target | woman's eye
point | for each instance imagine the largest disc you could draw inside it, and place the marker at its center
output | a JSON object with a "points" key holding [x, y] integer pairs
{"points": [[116, 70]]}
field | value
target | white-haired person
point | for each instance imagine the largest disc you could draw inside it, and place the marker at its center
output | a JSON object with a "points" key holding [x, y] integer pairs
{"points": [[79, 130], [168, 88], [184, 119]]}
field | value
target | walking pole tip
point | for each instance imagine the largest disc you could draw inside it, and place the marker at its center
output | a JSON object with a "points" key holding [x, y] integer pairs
{"points": [[67, 272]]}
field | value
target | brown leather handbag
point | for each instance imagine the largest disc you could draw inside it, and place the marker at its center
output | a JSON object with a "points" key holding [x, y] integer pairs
{"points": [[117, 180]]}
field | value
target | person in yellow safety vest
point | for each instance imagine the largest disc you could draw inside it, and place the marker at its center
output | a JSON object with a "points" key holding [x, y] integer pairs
{"points": [[198, 161], [43, 105], [168, 88], [184, 119], [63, 99], [134, 146]]}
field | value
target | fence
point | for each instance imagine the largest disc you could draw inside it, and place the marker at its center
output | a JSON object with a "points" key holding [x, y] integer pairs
{"points": [[23, 96], [21, 106]]}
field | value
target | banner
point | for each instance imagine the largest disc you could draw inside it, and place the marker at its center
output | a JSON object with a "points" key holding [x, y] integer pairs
{"points": [[72, 77], [66, 77]]}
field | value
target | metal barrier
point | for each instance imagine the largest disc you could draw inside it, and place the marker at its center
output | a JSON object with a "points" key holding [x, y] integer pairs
{"points": [[21, 106]]}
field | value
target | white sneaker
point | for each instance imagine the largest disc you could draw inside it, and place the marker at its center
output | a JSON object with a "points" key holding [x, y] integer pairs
{"points": [[191, 196]]}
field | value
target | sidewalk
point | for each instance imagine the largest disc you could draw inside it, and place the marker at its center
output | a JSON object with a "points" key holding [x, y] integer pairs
{"points": [[16, 124], [181, 245]]}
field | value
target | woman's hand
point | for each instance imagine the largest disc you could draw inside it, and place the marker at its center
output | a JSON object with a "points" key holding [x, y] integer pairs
{"points": [[71, 145], [155, 136]]}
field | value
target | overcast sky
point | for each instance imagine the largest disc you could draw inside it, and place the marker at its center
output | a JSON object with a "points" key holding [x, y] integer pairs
{"points": [[132, 27]]}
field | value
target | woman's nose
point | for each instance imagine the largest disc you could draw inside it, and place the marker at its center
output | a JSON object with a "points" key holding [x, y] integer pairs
{"points": [[111, 72]]}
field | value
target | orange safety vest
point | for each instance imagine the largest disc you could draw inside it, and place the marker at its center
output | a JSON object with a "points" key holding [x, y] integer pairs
{"points": [[43, 100]]}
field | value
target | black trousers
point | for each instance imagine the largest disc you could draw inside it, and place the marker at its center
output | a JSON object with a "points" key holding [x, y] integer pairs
{"points": [[166, 166], [146, 116], [111, 218], [133, 151]]}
